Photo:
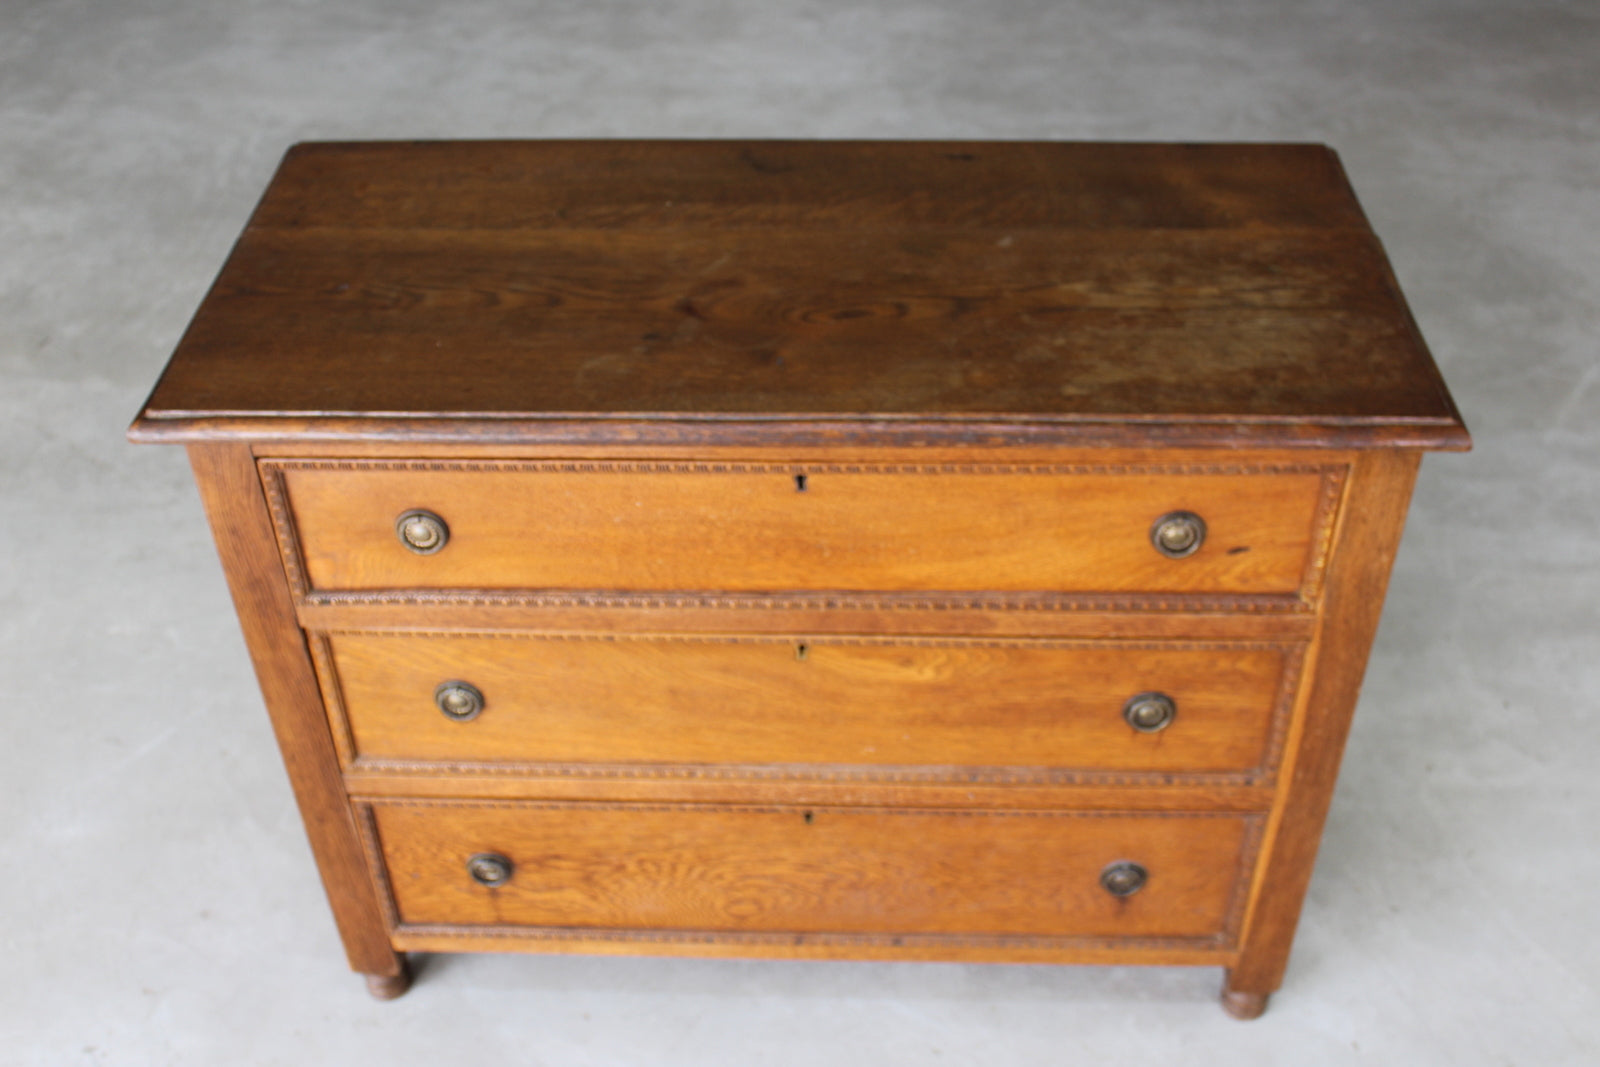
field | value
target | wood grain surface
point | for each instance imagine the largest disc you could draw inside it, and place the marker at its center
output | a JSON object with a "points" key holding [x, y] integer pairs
{"points": [[800, 499], [812, 870], [1205, 291], [746, 528], [1367, 542], [799, 700], [231, 492]]}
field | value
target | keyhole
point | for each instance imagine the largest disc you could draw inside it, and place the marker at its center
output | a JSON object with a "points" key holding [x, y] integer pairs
{"points": [[810, 817], [799, 483], [800, 650]]}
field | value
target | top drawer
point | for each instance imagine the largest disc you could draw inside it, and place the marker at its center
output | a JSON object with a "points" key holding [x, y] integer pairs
{"points": [[744, 527]]}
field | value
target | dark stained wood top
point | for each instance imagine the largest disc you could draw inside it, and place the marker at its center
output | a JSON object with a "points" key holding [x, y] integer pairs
{"points": [[807, 291]]}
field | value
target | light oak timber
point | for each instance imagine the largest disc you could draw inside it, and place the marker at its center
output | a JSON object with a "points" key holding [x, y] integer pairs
{"points": [[535, 940], [840, 786], [242, 528], [749, 869], [1242, 1005], [390, 986], [600, 698], [1102, 454], [1284, 619], [1366, 542], [769, 528], [876, 715]]}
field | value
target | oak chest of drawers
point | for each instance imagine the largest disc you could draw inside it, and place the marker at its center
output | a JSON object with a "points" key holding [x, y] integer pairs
{"points": [[932, 551]]}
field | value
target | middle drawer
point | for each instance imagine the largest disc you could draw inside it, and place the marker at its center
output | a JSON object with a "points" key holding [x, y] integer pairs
{"points": [[1157, 707]]}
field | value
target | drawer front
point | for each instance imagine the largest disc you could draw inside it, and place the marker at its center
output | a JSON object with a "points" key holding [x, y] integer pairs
{"points": [[749, 528], [689, 868], [822, 701]]}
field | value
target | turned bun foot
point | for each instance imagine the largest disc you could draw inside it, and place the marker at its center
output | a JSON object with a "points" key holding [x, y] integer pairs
{"points": [[389, 986], [1242, 1005]]}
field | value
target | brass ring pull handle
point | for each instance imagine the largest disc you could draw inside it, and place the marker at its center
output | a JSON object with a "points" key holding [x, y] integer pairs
{"points": [[1123, 879], [1150, 712], [460, 701], [1178, 534], [421, 531], [489, 869]]}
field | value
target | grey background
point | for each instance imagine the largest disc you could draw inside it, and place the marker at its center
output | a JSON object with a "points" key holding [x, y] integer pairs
{"points": [[157, 900]]}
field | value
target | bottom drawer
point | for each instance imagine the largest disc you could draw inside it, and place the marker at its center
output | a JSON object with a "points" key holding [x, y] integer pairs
{"points": [[825, 871]]}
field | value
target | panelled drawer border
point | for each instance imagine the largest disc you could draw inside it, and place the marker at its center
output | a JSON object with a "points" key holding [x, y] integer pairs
{"points": [[1333, 478], [796, 600], [1264, 774], [1249, 849]]}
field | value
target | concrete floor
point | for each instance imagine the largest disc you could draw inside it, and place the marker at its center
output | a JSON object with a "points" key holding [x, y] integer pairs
{"points": [[157, 901]]}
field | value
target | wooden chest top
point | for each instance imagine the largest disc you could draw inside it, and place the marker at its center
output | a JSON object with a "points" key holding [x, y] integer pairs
{"points": [[676, 292]]}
